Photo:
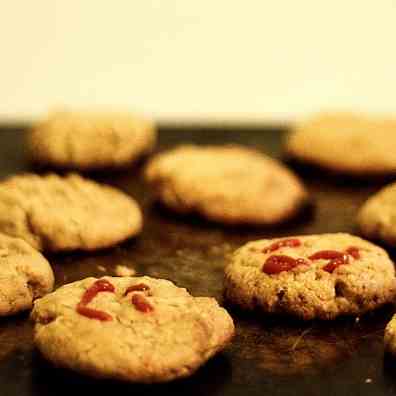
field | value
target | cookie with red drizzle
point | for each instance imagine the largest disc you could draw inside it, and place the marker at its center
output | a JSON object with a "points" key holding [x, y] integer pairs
{"points": [[101, 285], [140, 344], [298, 276]]}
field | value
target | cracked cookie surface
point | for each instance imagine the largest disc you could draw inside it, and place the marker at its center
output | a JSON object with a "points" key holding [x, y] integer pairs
{"points": [[227, 184], [346, 143], [55, 213], [24, 275], [89, 139], [324, 276], [128, 341]]}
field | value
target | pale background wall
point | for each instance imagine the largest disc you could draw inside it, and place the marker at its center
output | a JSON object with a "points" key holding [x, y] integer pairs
{"points": [[224, 60]]}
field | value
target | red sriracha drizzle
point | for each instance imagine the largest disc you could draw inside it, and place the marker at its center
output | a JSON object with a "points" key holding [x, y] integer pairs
{"points": [[101, 285], [335, 263], [291, 242], [141, 304], [138, 300], [354, 252], [336, 258], [326, 255], [278, 263]]}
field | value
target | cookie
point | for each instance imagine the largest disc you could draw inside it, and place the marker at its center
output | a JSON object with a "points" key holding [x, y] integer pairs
{"points": [[24, 275], [226, 184], [346, 143], [390, 336], [133, 329], [377, 217], [55, 213], [316, 276], [90, 140]]}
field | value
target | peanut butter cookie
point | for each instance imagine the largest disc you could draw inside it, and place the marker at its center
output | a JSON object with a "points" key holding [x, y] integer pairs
{"points": [[227, 184], [346, 143], [316, 276], [55, 213], [137, 329], [90, 140]]}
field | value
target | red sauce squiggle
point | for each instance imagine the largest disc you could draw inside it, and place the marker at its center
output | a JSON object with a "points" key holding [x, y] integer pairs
{"points": [[278, 263], [335, 263], [291, 242], [101, 285], [326, 255], [336, 258], [354, 252], [141, 304], [93, 313]]}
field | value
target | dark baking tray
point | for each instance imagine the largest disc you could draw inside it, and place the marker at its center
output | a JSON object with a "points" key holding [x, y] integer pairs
{"points": [[269, 355]]}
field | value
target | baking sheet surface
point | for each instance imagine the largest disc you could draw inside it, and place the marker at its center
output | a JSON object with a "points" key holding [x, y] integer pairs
{"points": [[269, 356]]}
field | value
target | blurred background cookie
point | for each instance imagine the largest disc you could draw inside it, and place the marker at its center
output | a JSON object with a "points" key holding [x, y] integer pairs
{"points": [[90, 139], [55, 213], [377, 217], [349, 143], [227, 184]]}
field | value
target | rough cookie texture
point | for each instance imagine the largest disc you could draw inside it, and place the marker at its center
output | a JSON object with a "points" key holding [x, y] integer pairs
{"points": [[377, 217], [172, 340], [87, 140], [309, 291], [24, 275], [347, 143], [390, 336], [228, 184], [63, 213]]}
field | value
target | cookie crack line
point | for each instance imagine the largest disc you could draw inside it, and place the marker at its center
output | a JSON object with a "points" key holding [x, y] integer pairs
{"points": [[34, 234]]}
